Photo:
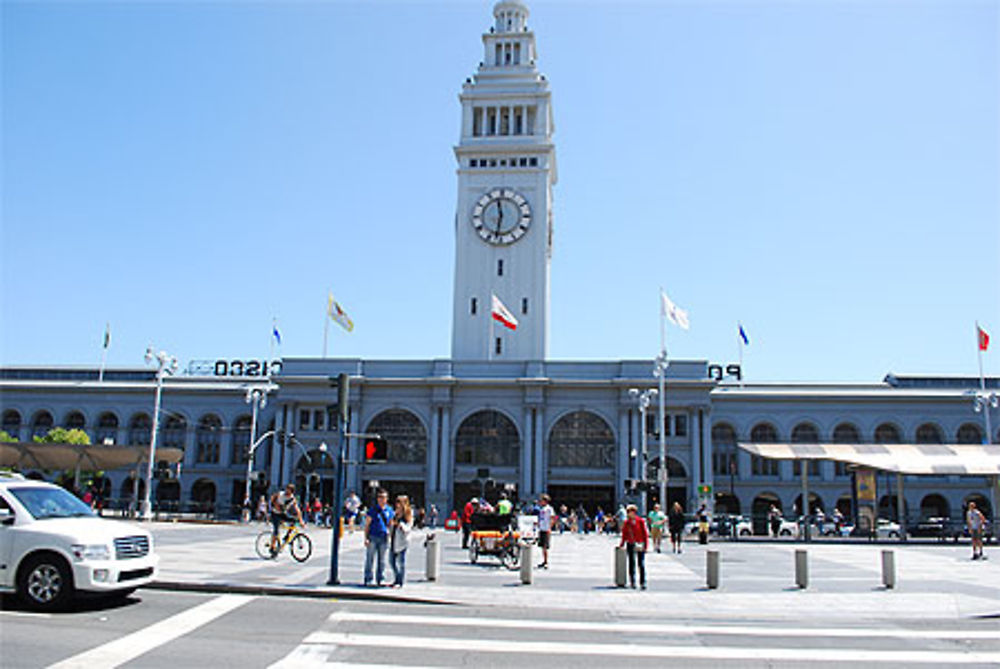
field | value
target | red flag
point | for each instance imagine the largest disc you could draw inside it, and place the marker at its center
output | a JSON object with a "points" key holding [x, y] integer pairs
{"points": [[984, 339]]}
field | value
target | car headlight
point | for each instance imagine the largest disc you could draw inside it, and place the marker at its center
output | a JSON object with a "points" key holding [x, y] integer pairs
{"points": [[91, 552]]}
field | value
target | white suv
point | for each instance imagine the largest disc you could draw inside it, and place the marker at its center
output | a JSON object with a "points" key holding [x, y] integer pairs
{"points": [[53, 546]]}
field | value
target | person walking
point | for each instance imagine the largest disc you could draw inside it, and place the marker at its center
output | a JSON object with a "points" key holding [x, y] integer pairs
{"points": [[402, 525], [432, 516], [504, 507], [774, 517], [675, 523], [975, 521], [470, 508], [378, 520], [545, 516], [656, 520], [635, 539]]}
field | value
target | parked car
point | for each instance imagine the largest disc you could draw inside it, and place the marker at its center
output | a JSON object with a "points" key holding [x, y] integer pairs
{"points": [[887, 529], [53, 547], [934, 527]]}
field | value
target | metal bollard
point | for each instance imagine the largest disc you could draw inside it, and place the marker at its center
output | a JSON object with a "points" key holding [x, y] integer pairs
{"points": [[433, 547], [712, 569], [889, 569], [621, 561], [802, 568], [527, 572]]}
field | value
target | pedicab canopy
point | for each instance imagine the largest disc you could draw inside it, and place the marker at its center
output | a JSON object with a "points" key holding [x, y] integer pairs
{"points": [[969, 459], [92, 457]]}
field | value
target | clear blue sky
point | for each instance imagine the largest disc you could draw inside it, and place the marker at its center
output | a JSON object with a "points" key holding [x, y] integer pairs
{"points": [[826, 172]]}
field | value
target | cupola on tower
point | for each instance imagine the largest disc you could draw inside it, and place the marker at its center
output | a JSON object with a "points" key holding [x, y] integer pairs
{"points": [[506, 170]]}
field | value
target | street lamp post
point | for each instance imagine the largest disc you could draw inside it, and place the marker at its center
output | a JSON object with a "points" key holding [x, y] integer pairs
{"points": [[983, 402], [644, 399], [660, 372], [257, 398], [166, 364], [250, 452]]}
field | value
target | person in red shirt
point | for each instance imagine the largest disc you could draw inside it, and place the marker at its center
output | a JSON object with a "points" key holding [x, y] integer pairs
{"points": [[635, 539], [470, 508]]}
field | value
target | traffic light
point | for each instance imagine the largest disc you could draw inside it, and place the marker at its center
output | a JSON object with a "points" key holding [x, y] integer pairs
{"points": [[376, 450]]}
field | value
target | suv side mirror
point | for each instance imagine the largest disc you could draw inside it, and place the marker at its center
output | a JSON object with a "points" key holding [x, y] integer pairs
{"points": [[6, 517]]}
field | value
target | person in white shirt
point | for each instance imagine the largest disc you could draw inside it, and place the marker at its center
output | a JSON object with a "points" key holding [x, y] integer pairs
{"points": [[975, 521], [402, 525], [545, 515]]}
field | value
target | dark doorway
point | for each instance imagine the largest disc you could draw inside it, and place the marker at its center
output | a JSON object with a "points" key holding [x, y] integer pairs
{"points": [[590, 496]]}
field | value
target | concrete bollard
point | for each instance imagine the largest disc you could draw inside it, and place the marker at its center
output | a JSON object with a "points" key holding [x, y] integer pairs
{"points": [[527, 572], [889, 569], [802, 568], [621, 562], [433, 547], [712, 569]]}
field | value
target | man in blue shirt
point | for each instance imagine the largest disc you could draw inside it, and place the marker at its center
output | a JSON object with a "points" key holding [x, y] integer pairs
{"points": [[378, 520]]}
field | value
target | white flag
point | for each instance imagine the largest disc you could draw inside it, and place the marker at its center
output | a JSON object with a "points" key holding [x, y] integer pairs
{"points": [[502, 314], [677, 316]]}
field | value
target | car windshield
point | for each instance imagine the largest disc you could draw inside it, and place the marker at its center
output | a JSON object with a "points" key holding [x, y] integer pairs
{"points": [[44, 502]]}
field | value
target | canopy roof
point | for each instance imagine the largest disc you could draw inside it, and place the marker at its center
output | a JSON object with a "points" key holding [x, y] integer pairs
{"points": [[937, 459], [35, 455]]}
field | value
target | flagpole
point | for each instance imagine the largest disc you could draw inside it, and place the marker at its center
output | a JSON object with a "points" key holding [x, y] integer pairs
{"points": [[489, 336], [326, 329], [274, 326], [982, 389], [739, 339], [107, 342]]}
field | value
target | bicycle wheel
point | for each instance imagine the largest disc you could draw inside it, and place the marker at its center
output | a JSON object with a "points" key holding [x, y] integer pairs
{"points": [[301, 547], [263, 546], [511, 557]]}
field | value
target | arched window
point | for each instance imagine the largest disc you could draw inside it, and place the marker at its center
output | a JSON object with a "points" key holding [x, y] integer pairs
{"points": [[207, 439], [107, 428], [675, 470], [75, 421], [241, 440], [929, 433], [12, 423], [887, 433], [487, 438], [41, 424], [581, 439], [969, 433], [763, 433], [846, 433], [139, 427], [174, 432], [405, 433], [724, 460], [805, 433]]}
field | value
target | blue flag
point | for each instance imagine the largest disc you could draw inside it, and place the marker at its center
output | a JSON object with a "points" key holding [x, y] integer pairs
{"points": [[743, 335], [277, 335]]}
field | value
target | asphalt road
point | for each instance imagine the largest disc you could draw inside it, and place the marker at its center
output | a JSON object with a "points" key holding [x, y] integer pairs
{"points": [[174, 630]]}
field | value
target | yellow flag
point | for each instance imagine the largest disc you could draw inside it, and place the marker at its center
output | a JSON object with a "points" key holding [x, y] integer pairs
{"points": [[338, 315]]}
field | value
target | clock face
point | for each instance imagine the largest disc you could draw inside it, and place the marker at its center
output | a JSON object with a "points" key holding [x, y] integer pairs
{"points": [[501, 216]]}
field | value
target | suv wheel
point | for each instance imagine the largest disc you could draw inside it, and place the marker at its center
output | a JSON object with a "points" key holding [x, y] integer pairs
{"points": [[45, 582]]}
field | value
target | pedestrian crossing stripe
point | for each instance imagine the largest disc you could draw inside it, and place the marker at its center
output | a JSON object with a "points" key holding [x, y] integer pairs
{"points": [[662, 628], [632, 650]]}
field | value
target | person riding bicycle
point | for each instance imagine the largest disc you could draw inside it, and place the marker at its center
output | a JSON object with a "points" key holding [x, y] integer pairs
{"points": [[284, 509]]}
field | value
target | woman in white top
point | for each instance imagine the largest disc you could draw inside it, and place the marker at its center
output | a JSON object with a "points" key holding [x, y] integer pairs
{"points": [[402, 525]]}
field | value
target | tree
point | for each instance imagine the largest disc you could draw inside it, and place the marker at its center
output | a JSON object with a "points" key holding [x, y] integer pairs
{"points": [[60, 435], [6, 438]]}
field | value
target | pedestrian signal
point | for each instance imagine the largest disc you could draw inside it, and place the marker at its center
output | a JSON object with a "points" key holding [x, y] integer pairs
{"points": [[376, 450]]}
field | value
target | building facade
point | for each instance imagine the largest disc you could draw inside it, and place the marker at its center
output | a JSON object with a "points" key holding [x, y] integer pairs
{"points": [[499, 412]]}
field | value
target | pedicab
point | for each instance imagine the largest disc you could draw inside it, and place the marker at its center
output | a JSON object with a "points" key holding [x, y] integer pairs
{"points": [[493, 534]]}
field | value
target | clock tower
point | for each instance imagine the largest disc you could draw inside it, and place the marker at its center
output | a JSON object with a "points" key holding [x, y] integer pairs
{"points": [[506, 170]]}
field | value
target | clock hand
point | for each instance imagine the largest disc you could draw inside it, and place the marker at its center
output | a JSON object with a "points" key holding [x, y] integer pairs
{"points": [[499, 217]]}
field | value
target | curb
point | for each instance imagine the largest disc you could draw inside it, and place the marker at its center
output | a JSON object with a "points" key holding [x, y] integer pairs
{"points": [[294, 591]]}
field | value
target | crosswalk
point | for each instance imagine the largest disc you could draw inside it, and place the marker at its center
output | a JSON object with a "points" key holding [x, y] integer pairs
{"points": [[351, 638]]}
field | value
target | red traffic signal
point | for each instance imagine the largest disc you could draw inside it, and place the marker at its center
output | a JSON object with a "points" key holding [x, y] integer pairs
{"points": [[376, 450]]}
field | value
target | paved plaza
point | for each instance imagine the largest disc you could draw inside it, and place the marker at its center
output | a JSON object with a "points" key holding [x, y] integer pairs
{"points": [[934, 582]]}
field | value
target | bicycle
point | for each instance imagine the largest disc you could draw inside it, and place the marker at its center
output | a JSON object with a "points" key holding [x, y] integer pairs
{"points": [[298, 542]]}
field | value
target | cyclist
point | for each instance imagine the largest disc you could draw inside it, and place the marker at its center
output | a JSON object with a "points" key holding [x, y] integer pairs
{"points": [[284, 509]]}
